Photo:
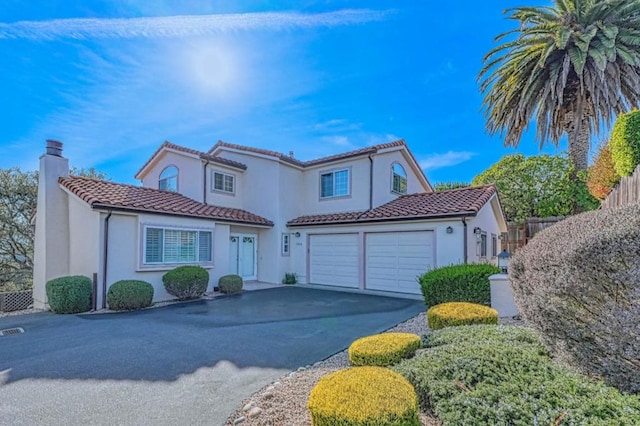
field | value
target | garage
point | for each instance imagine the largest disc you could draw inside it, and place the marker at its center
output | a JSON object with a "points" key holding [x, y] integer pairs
{"points": [[395, 259], [333, 260]]}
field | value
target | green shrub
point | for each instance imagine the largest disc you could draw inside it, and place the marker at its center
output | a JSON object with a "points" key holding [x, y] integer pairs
{"points": [[480, 375], [127, 295], [383, 349], [454, 314], [363, 396], [602, 176], [577, 283], [290, 278], [230, 284], [458, 283], [186, 282], [69, 295], [625, 143]]}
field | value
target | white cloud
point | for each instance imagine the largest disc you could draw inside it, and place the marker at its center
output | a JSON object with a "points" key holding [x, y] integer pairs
{"points": [[182, 25], [448, 159]]}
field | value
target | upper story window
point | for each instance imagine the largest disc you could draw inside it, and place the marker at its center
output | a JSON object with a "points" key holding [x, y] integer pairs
{"points": [[398, 179], [334, 184], [223, 182], [169, 179]]}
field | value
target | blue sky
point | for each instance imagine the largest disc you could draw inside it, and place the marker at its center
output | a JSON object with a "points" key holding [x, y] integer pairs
{"points": [[114, 79]]}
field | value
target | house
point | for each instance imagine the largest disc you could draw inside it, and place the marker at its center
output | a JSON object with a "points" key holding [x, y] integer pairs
{"points": [[365, 219]]}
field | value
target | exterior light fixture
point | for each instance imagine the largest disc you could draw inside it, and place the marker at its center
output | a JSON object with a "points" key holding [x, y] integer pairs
{"points": [[449, 230], [297, 235], [503, 261]]}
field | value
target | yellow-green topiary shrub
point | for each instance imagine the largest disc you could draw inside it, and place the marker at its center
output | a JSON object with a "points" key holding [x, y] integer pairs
{"points": [[363, 396], [460, 313], [383, 349]]}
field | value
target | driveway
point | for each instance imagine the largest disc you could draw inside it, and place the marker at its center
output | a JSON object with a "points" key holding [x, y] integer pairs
{"points": [[189, 363]]}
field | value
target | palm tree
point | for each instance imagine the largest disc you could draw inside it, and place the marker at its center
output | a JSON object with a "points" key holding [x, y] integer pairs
{"points": [[570, 67]]}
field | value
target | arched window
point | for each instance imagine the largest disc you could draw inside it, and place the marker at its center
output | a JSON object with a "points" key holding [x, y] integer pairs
{"points": [[398, 179], [169, 179]]}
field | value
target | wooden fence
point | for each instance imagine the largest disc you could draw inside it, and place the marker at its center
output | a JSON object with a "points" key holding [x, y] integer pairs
{"points": [[627, 192], [519, 234]]}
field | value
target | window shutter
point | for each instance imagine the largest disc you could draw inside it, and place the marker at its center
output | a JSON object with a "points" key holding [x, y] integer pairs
{"points": [[171, 239], [153, 246]]}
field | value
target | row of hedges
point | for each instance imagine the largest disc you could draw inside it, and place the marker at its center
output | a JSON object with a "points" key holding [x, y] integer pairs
{"points": [[458, 283], [72, 294]]}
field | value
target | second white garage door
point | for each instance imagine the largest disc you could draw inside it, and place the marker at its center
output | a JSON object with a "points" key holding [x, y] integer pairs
{"points": [[333, 260], [395, 259]]}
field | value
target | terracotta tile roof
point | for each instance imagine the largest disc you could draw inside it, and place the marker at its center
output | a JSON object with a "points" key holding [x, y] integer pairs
{"points": [[368, 150], [205, 156], [100, 193], [455, 202]]}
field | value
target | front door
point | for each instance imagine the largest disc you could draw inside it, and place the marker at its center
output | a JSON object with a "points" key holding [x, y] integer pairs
{"points": [[243, 257]]}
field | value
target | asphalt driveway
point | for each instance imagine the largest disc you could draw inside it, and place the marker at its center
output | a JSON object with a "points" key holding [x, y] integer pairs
{"points": [[189, 363]]}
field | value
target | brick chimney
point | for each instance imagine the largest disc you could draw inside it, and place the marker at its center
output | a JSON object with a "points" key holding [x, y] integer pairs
{"points": [[51, 247]]}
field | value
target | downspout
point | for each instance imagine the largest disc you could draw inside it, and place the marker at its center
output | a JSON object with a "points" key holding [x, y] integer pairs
{"points": [[370, 182], [105, 260], [465, 238], [204, 183]]}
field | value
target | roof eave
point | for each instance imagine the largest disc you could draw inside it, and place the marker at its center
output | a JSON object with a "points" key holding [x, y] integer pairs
{"points": [[469, 213]]}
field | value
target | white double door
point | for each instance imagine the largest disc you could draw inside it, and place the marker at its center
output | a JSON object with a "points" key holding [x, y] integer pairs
{"points": [[243, 255]]}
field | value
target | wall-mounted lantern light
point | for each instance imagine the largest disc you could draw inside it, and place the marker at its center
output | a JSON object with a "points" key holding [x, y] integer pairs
{"points": [[449, 230], [297, 235], [503, 261]]}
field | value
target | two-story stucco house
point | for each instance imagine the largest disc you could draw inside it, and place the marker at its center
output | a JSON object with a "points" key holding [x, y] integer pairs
{"points": [[366, 219]]}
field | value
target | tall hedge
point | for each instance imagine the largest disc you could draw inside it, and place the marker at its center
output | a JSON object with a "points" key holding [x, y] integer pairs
{"points": [[625, 143], [458, 283], [602, 175], [578, 284]]}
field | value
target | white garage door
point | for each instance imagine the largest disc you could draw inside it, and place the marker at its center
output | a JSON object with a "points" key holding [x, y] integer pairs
{"points": [[333, 260], [395, 259]]}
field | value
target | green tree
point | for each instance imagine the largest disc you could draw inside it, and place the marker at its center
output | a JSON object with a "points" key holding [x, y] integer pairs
{"points": [[537, 186], [444, 186], [568, 68], [88, 172]]}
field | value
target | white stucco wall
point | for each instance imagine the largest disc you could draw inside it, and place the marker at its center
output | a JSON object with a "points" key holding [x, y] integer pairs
{"points": [[382, 177], [84, 238], [190, 169], [487, 219], [226, 199]]}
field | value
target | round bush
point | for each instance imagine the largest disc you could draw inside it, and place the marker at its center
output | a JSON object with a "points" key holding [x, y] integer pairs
{"points": [[625, 143], [230, 284], [458, 283], [460, 313], [363, 396], [383, 349], [186, 282], [578, 284], [69, 295], [129, 295]]}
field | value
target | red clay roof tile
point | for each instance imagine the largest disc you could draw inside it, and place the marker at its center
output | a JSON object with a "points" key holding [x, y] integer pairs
{"points": [[100, 193]]}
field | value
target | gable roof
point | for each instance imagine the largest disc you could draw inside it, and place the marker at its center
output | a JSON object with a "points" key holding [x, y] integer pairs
{"points": [[203, 155], [428, 205], [117, 196]]}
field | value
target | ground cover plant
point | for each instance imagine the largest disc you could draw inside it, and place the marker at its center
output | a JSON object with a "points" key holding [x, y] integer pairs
{"points": [[455, 314], [502, 375], [383, 349]]}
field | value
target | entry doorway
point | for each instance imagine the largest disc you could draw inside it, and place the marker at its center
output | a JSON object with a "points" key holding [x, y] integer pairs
{"points": [[243, 256]]}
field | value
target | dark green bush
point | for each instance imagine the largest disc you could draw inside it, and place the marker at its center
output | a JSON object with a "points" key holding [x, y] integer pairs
{"points": [[69, 295], [186, 282], [458, 283], [500, 375], [578, 284], [290, 278], [625, 143], [230, 284], [127, 295]]}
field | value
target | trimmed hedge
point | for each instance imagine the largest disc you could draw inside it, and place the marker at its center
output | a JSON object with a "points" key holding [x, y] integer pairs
{"points": [[454, 314], [69, 295], [363, 396], [602, 176], [458, 283], [230, 284], [186, 282], [383, 349], [625, 143], [500, 375], [128, 295], [577, 284]]}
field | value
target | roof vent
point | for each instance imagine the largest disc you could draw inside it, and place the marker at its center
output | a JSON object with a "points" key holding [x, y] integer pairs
{"points": [[291, 154], [54, 148]]}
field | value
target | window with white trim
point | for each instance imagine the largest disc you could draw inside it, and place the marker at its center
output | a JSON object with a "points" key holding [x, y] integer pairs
{"points": [[168, 180], [286, 244], [174, 245], [494, 245], [398, 179], [334, 184], [483, 244], [223, 182]]}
